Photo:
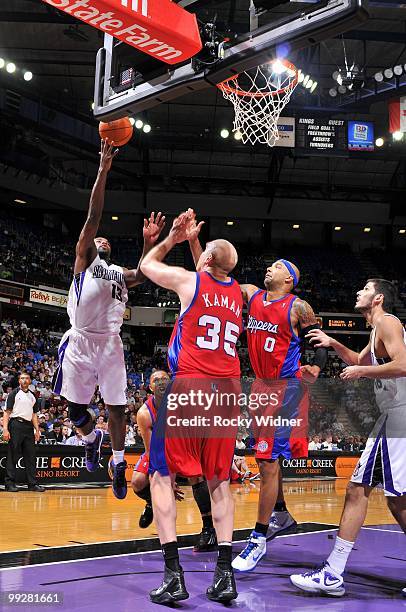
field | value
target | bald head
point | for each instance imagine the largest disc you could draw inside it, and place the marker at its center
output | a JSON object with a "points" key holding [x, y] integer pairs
{"points": [[220, 255]]}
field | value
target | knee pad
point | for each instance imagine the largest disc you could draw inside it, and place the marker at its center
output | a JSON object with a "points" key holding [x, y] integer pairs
{"points": [[78, 414], [202, 496]]}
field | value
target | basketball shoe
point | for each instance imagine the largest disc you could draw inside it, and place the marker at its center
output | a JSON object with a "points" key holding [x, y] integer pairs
{"points": [[249, 558], [223, 588], [280, 523], [207, 540], [119, 480], [320, 580], [146, 517], [172, 588], [92, 452], [404, 592]]}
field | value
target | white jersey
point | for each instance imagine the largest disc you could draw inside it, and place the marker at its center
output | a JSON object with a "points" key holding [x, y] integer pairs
{"points": [[97, 299], [390, 393]]}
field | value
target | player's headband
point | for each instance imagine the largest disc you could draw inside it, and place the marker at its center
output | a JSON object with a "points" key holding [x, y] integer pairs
{"points": [[291, 270]]}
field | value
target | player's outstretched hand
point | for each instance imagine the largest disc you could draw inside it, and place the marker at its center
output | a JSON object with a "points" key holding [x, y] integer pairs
{"points": [[178, 231], [107, 154], [318, 338], [352, 372], [177, 491], [193, 228], [153, 227], [310, 373]]}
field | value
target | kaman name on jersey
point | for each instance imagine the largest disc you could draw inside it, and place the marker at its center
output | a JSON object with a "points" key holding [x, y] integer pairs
{"points": [[255, 325], [222, 300], [107, 274]]}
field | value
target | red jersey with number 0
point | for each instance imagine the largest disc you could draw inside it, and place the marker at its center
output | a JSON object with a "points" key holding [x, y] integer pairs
{"points": [[274, 348], [203, 341]]}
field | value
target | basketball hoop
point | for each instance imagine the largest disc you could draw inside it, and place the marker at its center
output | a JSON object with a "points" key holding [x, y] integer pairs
{"points": [[259, 95]]}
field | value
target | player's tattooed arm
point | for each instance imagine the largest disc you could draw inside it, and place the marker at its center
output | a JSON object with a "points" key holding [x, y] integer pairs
{"points": [[151, 232], [85, 249], [302, 315], [303, 319], [173, 278]]}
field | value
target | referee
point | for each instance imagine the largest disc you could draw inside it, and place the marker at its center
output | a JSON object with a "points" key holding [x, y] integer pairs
{"points": [[20, 420]]}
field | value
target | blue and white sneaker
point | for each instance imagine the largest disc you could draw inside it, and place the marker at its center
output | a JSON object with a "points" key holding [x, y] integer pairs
{"points": [[119, 479], [321, 580], [249, 558], [92, 452], [404, 592], [281, 522]]}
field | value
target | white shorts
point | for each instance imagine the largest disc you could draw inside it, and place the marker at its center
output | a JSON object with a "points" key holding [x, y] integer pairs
{"points": [[382, 463], [85, 362]]}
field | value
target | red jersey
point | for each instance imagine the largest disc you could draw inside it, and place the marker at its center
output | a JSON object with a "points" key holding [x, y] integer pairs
{"points": [[150, 404], [204, 337], [274, 348]]}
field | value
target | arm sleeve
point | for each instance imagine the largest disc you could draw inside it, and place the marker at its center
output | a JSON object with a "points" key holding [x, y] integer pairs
{"points": [[11, 399], [321, 353]]}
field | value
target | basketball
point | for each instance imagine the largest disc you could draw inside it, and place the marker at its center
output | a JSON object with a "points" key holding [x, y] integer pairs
{"points": [[119, 131]]}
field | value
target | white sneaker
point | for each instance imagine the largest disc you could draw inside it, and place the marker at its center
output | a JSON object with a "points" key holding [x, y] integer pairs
{"points": [[249, 558], [320, 580], [404, 592], [279, 523]]}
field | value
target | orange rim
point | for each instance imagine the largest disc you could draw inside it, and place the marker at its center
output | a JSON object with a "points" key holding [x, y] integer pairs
{"points": [[227, 85]]}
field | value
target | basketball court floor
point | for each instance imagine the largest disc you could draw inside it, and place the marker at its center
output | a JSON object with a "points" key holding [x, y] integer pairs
{"points": [[85, 547]]}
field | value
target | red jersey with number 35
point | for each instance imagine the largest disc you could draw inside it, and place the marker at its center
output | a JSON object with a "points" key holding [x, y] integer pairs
{"points": [[203, 341], [274, 348]]}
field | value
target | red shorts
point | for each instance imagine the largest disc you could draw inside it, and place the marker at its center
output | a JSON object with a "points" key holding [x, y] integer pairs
{"points": [[291, 404], [192, 438], [142, 465]]}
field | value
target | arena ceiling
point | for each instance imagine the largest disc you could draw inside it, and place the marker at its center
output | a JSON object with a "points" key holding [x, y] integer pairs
{"points": [[184, 152]]}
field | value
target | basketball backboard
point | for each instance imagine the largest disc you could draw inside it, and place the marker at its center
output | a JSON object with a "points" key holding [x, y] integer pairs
{"points": [[236, 35]]}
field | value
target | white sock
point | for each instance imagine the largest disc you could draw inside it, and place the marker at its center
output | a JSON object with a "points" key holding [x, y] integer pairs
{"points": [[339, 555], [91, 437], [118, 456]]}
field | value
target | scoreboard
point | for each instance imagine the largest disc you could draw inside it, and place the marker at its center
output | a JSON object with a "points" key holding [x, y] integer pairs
{"points": [[321, 134], [326, 135], [342, 323]]}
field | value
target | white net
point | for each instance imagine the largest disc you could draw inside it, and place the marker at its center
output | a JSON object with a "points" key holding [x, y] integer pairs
{"points": [[259, 96]]}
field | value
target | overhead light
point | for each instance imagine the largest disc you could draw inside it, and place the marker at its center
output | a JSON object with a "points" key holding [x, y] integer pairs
{"points": [[132, 120], [339, 78], [342, 89], [335, 74], [402, 231], [337, 228], [237, 135], [139, 124], [20, 201], [2, 62], [92, 105], [379, 142], [397, 135], [333, 92], [309, 84], [114, 218], [28, 75], [295, 226], [278, 67], [300, 76], [147, 128], [313, 87], [378, 77], [367, 230], [224, 133], [307, 77], [10, 67], [230, 222], [398, 70], [388, 73]]}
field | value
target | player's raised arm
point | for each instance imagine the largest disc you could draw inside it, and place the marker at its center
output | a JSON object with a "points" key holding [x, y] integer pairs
{"points": [[192, 235], [151, 232], [390, 333], [174, 278], [85, 249]]}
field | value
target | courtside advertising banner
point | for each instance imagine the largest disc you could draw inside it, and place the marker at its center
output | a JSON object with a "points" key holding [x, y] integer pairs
{"points": [[159, 28]]}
